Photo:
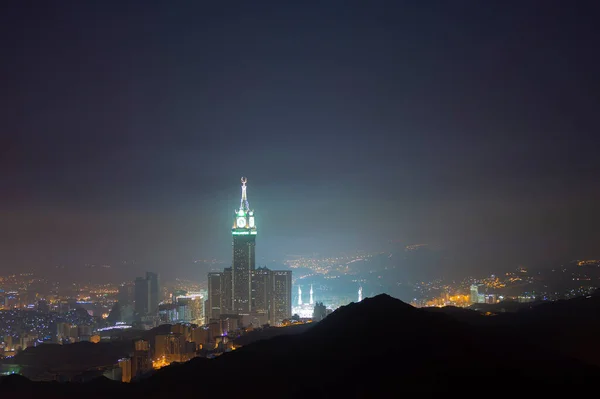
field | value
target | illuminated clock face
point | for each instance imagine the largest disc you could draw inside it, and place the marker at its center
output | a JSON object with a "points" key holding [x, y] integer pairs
{"points": [[251, 222], [241, 222]]}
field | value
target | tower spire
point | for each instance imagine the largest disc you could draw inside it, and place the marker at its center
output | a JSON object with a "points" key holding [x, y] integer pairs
{"points": [[299, 296], [310, 301], [244, 201]]}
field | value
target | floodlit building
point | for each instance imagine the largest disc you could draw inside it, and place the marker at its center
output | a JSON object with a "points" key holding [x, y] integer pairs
{"points": [[138, 364], [190, 308], [243, 289], [244, 245], [304, 309], [476, 295], [171, 348]]}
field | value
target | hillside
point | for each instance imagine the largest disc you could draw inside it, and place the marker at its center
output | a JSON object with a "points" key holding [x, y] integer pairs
{"points": [[378, 347]]}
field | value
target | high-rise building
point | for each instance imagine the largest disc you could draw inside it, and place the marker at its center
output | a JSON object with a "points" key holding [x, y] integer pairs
{"points": [[167, 313], [227, 291], [126, 293], [281, 296], [147, 294], [258, 295], [190, 308], [244, 243], [125, 365], [142, 296], [476, 296], [215, 295], [154, 292], [261, 290], [140, 361]]}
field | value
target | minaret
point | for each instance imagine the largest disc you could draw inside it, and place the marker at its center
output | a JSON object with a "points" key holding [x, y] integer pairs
{"points": [[360, 293], [310, 301], [299, 296]]}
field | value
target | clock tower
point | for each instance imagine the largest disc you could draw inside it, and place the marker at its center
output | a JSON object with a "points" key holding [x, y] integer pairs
{"points": [[244, 243]]}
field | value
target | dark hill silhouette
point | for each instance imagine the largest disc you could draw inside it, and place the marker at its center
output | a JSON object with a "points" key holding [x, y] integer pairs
{"points": [[570, 327], [380, 347], [75, 356], [270, 332]]}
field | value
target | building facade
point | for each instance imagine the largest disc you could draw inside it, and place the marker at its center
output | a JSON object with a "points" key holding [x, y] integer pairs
{"points": [[227, 284], [261, 290], [244, 245], [281, 296], [154, 292], [142, 296], [215, 295], [147, 297]]}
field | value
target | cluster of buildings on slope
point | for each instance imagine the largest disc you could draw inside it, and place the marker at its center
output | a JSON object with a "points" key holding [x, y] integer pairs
{"points": [[182, 343]]}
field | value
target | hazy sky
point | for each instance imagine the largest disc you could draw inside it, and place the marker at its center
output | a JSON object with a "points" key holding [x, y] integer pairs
{"points": [[470, 125]]}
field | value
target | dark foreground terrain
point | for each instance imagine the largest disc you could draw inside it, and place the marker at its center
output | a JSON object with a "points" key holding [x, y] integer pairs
{"points": [[382, 347]]}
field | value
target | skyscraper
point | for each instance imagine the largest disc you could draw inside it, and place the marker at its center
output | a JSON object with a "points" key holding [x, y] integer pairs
{"points": [[126, 293], [261, 290], [227, 291], [154, 297], [281, 296], [243, 292], [142, 296], [244, 242], [215, 295], [147, 294]]}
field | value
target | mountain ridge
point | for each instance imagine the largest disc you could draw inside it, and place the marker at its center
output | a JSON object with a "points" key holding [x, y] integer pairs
{"points": [[378, 346]]}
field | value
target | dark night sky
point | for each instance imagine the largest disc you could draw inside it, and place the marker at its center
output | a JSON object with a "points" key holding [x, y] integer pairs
{"points": [[469, 125]]}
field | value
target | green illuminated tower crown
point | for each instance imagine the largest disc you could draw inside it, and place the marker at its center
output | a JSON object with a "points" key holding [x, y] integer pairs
{"points": [[243, 218]]}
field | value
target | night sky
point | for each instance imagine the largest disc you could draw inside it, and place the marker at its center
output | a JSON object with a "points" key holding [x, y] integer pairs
{"points": [[467, 125]]}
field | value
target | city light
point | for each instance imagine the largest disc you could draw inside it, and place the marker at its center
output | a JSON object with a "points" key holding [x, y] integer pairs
{"points": [[116, 327], [243, 233]]}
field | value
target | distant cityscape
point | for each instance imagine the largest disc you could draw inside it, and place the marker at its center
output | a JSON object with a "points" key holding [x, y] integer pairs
{"points": [[36, 311], [158, 323]]}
